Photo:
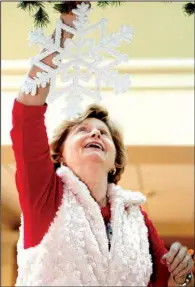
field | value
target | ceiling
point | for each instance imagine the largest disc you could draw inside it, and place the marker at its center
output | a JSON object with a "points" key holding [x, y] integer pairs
{"points": [[160, 30]]}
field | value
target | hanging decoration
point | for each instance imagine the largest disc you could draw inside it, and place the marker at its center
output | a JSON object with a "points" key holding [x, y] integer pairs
{"points": [[80, 62]]}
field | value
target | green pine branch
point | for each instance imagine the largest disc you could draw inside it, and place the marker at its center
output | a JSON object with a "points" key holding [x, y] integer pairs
{"points": [[41, 17], [189, 8], [29, 5], [104, 4], [65, 7], [37, 10]]}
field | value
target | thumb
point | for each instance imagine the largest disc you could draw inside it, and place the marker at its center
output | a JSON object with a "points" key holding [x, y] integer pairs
{"points": [[163, 258]]}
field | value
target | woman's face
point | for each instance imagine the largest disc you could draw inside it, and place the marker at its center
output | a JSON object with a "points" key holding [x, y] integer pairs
{"points": [[88, 143]]}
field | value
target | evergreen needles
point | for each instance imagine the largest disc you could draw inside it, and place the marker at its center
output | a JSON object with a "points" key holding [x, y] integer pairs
{"points": [[41, 18]]}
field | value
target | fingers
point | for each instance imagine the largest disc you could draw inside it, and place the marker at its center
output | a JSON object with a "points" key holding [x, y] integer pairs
{"points": [[184, 267], [175, 247], [179, 259], [68, 19], [187, 270]]}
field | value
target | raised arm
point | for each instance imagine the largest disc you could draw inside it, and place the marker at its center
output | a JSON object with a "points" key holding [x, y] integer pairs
{"points": [[35, 173], [42, 93]]}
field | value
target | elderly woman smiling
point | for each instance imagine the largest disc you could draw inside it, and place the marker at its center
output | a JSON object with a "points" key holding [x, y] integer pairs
{"points": [[79, 228]]}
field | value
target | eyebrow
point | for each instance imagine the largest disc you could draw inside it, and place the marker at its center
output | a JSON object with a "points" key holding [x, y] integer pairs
{"points": [[105, 129], [82, 124]]}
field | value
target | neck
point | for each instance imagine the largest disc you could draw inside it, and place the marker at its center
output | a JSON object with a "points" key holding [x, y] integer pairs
{"points": [[96, 180]]}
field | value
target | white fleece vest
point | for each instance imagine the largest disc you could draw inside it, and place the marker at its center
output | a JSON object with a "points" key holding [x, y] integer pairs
{"points": [[74, 251]]}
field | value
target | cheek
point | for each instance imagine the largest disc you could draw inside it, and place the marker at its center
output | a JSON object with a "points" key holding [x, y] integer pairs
{"points": [[71, 147], [112, 151]]}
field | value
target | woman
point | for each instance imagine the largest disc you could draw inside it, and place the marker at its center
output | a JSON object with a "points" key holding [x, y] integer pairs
{"points": [[78, 227]]}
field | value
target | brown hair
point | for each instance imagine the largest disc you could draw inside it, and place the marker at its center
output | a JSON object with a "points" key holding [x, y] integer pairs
{"points": [[98, 112]]}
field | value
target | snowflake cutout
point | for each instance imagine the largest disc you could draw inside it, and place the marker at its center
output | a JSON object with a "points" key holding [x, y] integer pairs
{"points": [[80, 61]]}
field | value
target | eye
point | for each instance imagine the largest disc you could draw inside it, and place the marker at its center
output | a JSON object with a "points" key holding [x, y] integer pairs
{"points": [[103, 132], [82, 129]]}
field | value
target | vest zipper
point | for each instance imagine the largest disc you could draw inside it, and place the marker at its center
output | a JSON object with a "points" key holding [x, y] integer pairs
{"points": [[109, 235], [112, 238]]}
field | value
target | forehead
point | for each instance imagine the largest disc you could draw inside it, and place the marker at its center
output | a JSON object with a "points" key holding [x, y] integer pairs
{"points": [[92, 123]]}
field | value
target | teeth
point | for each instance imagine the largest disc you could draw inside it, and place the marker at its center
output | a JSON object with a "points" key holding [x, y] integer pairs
{"points": [[94, 145]]}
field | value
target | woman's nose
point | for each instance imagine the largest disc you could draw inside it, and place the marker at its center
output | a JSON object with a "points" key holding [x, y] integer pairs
{"points": [[95, 133]]}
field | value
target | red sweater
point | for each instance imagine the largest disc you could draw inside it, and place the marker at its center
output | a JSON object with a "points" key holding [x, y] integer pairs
{"points": [[40, 189]]}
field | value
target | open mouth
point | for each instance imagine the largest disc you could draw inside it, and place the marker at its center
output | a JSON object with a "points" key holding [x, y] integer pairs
{"points": [[95, 146]]}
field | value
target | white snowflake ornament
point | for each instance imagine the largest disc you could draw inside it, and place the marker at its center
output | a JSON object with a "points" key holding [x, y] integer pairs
{"points": [[80, 62]]}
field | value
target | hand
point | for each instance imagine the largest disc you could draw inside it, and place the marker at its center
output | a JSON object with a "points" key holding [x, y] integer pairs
{"points": [[68, 19], [178, 260]]}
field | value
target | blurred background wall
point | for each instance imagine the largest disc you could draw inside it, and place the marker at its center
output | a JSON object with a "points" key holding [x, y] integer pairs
{"points": [[156, 114]]}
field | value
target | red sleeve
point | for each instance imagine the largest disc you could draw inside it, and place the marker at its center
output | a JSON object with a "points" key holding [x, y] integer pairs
{"points": [[36, 180], [160, 273]]}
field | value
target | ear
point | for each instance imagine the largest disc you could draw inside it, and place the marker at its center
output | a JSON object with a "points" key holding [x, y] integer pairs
{"points": [[114, 170], [62, 160]]}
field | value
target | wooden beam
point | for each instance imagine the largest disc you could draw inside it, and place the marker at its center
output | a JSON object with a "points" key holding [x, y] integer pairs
{"points": [[160, 154], [155, 66], [9, 237], [185, 240], [135, 154], [175, 229], [10, 218], [7, 155]]}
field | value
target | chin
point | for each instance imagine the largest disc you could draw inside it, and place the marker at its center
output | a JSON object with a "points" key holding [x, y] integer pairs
{"points": [[95, 156]]}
